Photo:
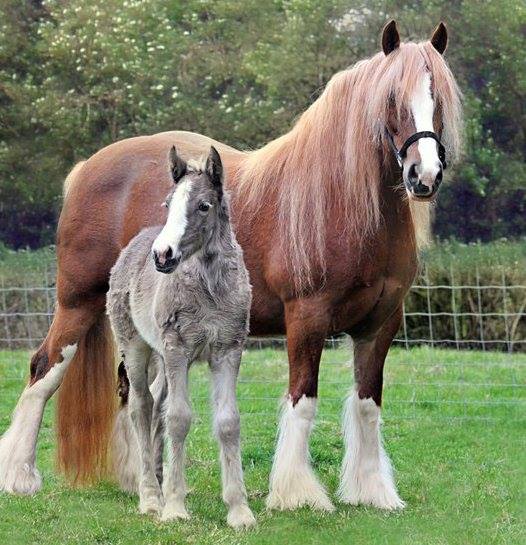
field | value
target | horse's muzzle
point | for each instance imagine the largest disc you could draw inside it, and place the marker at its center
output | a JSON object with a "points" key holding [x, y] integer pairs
{"points": [[422, 187]]}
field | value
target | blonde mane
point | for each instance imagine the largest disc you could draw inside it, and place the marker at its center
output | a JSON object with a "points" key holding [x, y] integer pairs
{"points": [[331, 156]]}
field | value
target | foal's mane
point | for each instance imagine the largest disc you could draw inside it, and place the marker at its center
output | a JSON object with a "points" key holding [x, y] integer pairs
{"points": [[332, 155]]}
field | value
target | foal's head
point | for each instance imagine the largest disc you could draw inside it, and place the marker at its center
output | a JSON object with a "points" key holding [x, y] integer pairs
{"points": [[195, 209]]}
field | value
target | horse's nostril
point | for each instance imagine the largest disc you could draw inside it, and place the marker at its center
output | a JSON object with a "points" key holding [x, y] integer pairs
{"points": [[169, 253], [412, 174], [438, 179]]}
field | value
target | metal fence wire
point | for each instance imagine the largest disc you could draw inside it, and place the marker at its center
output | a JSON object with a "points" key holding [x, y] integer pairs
{"points": [[460, 352]]}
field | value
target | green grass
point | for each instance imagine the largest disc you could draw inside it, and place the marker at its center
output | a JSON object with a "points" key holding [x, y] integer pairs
{"points": [[454, 425]]}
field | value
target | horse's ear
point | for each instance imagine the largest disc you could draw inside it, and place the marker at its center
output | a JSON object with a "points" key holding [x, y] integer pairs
{"points": [[390, 37], [177, 165], [214, 167], [439, 38]]}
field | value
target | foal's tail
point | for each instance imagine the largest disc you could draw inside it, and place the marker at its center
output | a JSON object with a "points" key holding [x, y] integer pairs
{"points": [[86, 407]]}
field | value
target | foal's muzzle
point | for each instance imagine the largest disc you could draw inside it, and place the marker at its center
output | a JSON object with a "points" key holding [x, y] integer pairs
{"points": [[166, 261]]}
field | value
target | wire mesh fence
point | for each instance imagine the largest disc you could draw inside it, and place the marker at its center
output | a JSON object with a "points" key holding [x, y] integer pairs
{"points": [[460, 352]]}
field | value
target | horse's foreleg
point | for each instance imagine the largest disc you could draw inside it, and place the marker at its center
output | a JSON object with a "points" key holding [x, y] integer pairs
{"points": [[225, 367], [18, 473], [178, 420], [292, 480], [366, 475], [136, 357]]}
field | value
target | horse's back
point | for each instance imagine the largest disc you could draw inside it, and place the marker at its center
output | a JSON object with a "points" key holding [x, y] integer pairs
{"points": [[117, 192]]}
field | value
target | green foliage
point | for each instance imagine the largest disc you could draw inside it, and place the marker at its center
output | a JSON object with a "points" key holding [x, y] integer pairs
{"points": [[76, 75]]}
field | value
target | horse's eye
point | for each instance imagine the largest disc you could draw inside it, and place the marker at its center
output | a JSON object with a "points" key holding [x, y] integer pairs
{"points": [[204, 206]]}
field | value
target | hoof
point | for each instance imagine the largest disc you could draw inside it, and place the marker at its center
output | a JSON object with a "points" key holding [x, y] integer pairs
{"points": [[304, 491], [174, 511], [240, 517], [151, 505], [378, 491], [23, 478]]}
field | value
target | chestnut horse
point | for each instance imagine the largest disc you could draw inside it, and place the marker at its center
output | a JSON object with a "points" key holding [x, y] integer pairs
{"points": [[330, 237]]}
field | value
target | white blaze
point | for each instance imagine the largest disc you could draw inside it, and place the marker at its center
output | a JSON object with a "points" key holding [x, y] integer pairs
{"points": [[422, 108], [175, 225]]}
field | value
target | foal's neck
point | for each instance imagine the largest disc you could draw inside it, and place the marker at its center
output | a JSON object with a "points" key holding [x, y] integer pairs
{"points": [[217, 256]]}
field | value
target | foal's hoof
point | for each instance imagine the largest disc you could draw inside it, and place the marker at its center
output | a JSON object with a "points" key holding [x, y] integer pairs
{"points": [[174, 512], [150, 506], [240, 517]]}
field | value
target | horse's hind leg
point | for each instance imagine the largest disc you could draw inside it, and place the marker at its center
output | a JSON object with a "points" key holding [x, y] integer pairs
{"points": [[136, 357], [225, 366], [366, 475], [18, 473], [292, 480]]}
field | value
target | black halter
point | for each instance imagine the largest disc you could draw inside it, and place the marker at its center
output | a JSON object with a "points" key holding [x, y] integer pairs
{"points": [[401, 153]]}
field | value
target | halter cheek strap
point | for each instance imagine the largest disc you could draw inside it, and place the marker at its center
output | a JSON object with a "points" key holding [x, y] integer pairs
{"points": [[401, 153]]}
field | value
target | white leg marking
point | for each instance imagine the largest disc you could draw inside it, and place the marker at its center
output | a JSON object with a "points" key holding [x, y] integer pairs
{"points": [[18, 473], [292, 480], [366, 475], [422, 107]]}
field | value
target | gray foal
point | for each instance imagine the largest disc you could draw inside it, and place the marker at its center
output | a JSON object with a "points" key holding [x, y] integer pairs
{"points": [[198, 309]]}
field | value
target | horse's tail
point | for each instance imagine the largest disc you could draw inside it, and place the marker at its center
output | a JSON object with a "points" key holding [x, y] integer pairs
{"points": [[86, 407], [124, 448]]}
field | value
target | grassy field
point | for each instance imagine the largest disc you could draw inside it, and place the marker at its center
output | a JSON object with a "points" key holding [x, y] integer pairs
{"points": [[454, 425]]}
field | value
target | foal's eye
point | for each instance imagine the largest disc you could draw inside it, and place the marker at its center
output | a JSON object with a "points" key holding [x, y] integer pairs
{"points": [[204, 206]]}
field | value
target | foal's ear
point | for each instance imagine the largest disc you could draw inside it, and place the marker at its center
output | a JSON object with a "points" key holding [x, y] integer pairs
{"points": [[214, 167], [439, 38], [390, 37], [177, 165]]}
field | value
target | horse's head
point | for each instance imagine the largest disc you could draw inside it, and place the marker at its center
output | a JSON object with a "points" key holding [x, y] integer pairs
{"points": [[417, 102], [194, 210]]}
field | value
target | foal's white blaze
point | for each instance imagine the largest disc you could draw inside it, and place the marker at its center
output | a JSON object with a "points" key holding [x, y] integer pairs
{"points": [[175, 225], [292, 480], [18, 473], [366, 476], [422, 108]]}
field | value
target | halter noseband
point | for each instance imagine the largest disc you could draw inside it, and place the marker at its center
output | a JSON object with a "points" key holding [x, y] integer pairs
{"points": [[401, 153]]}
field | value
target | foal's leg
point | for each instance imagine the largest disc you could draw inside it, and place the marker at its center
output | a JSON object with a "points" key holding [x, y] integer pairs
{"points": [[178, 419], [292, 480], [18, 473], [136, 358], [366, 475], [224, 365], [158, 389]]}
